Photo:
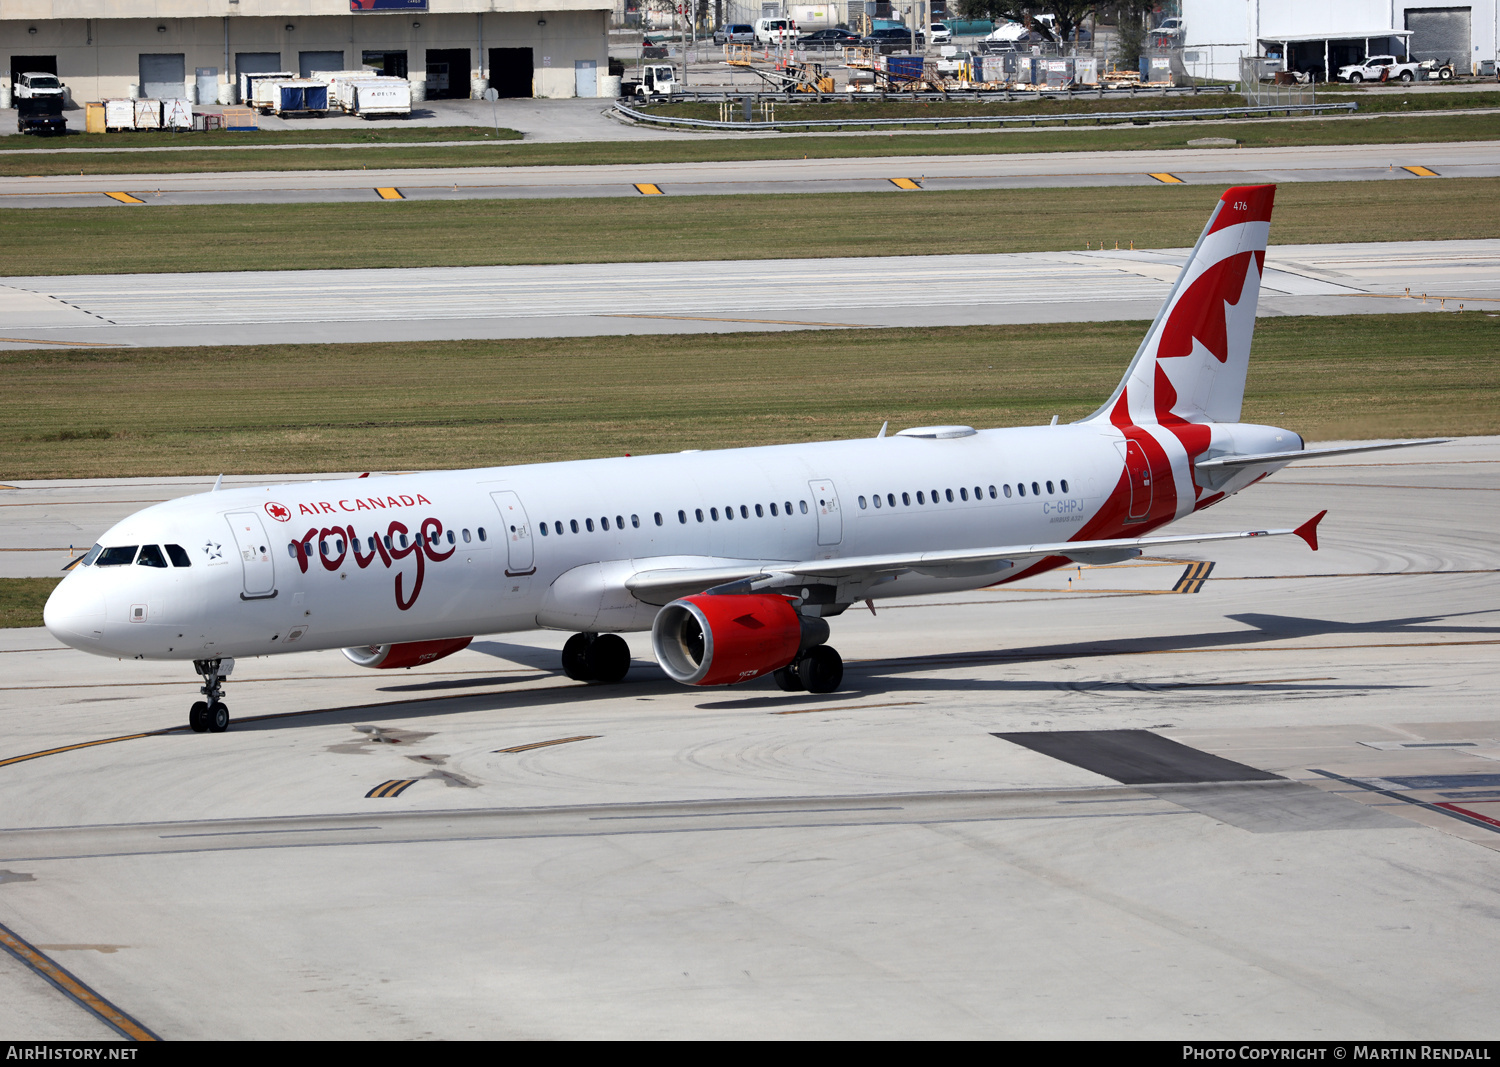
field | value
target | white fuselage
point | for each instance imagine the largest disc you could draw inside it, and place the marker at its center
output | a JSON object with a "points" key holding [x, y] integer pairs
{"points": [[515, 548]]}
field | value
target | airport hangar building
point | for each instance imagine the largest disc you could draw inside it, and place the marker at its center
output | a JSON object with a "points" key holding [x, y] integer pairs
{"points": [[113, 49]]}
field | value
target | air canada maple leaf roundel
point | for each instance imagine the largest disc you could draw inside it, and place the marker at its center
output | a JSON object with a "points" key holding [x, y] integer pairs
{"points": [[279, 512]]}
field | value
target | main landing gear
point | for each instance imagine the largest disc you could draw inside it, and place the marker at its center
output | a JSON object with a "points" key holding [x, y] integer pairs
{"points": [[596, 658], [211, 716], [819, 669]]}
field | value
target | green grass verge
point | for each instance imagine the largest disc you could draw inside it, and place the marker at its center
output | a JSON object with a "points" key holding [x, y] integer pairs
{"points": [[163, 411], [764, 226], [1262, 133], [218, 139], [22, 600]]}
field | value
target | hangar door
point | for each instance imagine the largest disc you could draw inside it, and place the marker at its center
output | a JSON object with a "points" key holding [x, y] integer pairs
{"points": [[1441, 33], [447, 73], [511, 71], [307, 62], [162, 76], [257, 62], [20, 65]]}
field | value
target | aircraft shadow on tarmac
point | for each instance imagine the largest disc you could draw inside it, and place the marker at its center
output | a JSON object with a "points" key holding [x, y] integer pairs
{"points": [[646, 684]]}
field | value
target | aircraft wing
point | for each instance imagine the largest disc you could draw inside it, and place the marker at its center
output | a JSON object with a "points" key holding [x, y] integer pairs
{"points": [[662, 586]]}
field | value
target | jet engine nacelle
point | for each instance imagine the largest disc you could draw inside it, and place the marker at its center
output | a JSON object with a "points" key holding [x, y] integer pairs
{"points": [[407, 654], [711, 639]]}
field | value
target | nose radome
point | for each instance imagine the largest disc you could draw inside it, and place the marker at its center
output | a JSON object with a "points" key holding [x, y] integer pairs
{"points": [[74, 613]]}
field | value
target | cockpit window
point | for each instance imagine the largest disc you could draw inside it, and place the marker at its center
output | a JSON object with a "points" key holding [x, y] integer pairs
{"points": [[117, 556], [178, 555], [151, 557], [88, 561]]}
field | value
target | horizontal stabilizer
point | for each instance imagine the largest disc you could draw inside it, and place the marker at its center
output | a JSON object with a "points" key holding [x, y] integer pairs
{"points": [[1267, 459]]}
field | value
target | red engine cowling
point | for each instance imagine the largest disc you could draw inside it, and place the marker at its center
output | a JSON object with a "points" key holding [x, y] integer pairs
{"points": [[720, 640], [407, 654]]}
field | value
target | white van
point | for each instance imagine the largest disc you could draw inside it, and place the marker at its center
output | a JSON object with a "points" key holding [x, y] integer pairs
{"points": [[775, 31]]}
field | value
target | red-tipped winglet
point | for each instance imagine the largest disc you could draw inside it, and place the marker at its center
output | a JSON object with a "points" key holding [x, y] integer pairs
{"points": [[1308, 531]]}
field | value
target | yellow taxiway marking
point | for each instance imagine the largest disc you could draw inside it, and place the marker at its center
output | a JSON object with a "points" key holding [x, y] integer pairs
{"points": [[64, 980], [393, 788], [1422, 172], [648, 189], [70, 748], [125, 198], [906, 183], [69, 344], [1167, 179], [389, 193], [546, 744], [711, 318], [1192, 579]]}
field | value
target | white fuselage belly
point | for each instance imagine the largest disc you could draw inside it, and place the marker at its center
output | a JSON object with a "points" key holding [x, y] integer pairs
{"points": [[230, 604]]}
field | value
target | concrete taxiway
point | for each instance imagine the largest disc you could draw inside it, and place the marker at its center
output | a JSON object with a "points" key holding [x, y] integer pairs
{"points": [[1219, 167], [442, 303], [1111, 802]]}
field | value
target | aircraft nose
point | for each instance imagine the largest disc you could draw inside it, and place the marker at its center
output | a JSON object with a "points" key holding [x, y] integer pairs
{"points": [[74, 613]]}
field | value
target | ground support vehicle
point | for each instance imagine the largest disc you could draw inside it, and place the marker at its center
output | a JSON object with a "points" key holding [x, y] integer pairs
{"points": [[1380, 69], [653, 79], [290, 96], [40, 114], [1432, 70], [249, 79]]}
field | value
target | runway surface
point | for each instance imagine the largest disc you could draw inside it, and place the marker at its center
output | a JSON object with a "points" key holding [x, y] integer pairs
{"points": [[440, 303], [954, 845], [1220, 167]]}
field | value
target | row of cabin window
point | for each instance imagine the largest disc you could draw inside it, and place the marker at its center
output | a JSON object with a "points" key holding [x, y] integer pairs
{"points": [[711, 515], [149, 556], [402, 540], [963, 494]]}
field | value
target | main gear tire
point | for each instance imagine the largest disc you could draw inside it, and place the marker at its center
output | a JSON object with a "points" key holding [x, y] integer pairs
{"points": [[198, 717], [574, 658], [607, 659], [821, 669]]}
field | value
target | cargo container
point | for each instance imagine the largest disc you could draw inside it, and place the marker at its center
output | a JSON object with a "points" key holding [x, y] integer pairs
{"points": [[248, 80], [906, 68], [291, 96], [382, 96], [119, 114], [814, 17], [969, 27], [176, 115], [148, 114], [94, 117]]}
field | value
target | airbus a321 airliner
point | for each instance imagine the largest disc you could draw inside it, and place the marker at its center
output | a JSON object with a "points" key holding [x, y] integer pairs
{"points": [[733, 559]]}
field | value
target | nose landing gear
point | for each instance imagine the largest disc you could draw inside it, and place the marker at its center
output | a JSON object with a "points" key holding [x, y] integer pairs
{"points": [[212, 715]]}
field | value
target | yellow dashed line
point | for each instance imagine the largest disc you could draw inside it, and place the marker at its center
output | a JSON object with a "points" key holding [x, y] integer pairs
{"points": [[393, 788], [648, 189], [906, 183], [545, 744], [1167, 179], [389, 193], [64, 980], [125, 198], [1422, 172], [1192, 578]]}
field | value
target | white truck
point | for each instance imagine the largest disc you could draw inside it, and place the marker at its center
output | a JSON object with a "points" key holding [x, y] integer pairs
{"points": [[1380, 69], [653, 79]]}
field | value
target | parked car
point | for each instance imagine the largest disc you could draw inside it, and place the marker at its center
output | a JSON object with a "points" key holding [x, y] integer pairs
{"points": [[828, 40], [1380, 68], [775, 31], [36, 84], [895, 40], [941, 34], [735, 33], [1172, 25]]}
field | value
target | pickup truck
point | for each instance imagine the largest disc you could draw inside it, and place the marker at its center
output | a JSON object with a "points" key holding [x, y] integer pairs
{"points": [[1380, 68], [40, 114]]}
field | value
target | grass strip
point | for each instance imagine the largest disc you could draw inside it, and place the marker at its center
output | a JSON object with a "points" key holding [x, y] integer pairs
{"points": [[1263, 133], [22, 600], [220, 139], [752, 226], [165, 411]]}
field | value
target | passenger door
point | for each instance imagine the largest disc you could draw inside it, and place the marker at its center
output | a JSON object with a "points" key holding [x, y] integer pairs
{"points": [[830, 520], [255, 555], [517, 531]]}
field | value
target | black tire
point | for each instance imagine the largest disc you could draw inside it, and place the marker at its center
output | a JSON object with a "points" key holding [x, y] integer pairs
{"points": [[1406, 75], [198, 718], [1356, 78], [218, 717], [574, 663], [607, 658], [821, 669], [788, 680], [1445, 75]]}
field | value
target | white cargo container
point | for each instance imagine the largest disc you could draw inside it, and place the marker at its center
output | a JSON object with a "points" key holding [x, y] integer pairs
{"points": [[814, 17], [248, 80], [119, 114], [381, 96], [176, 115], [148, 114]]}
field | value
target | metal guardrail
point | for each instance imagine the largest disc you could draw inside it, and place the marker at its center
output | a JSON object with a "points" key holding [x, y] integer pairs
{"points": [[973, 120]]}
